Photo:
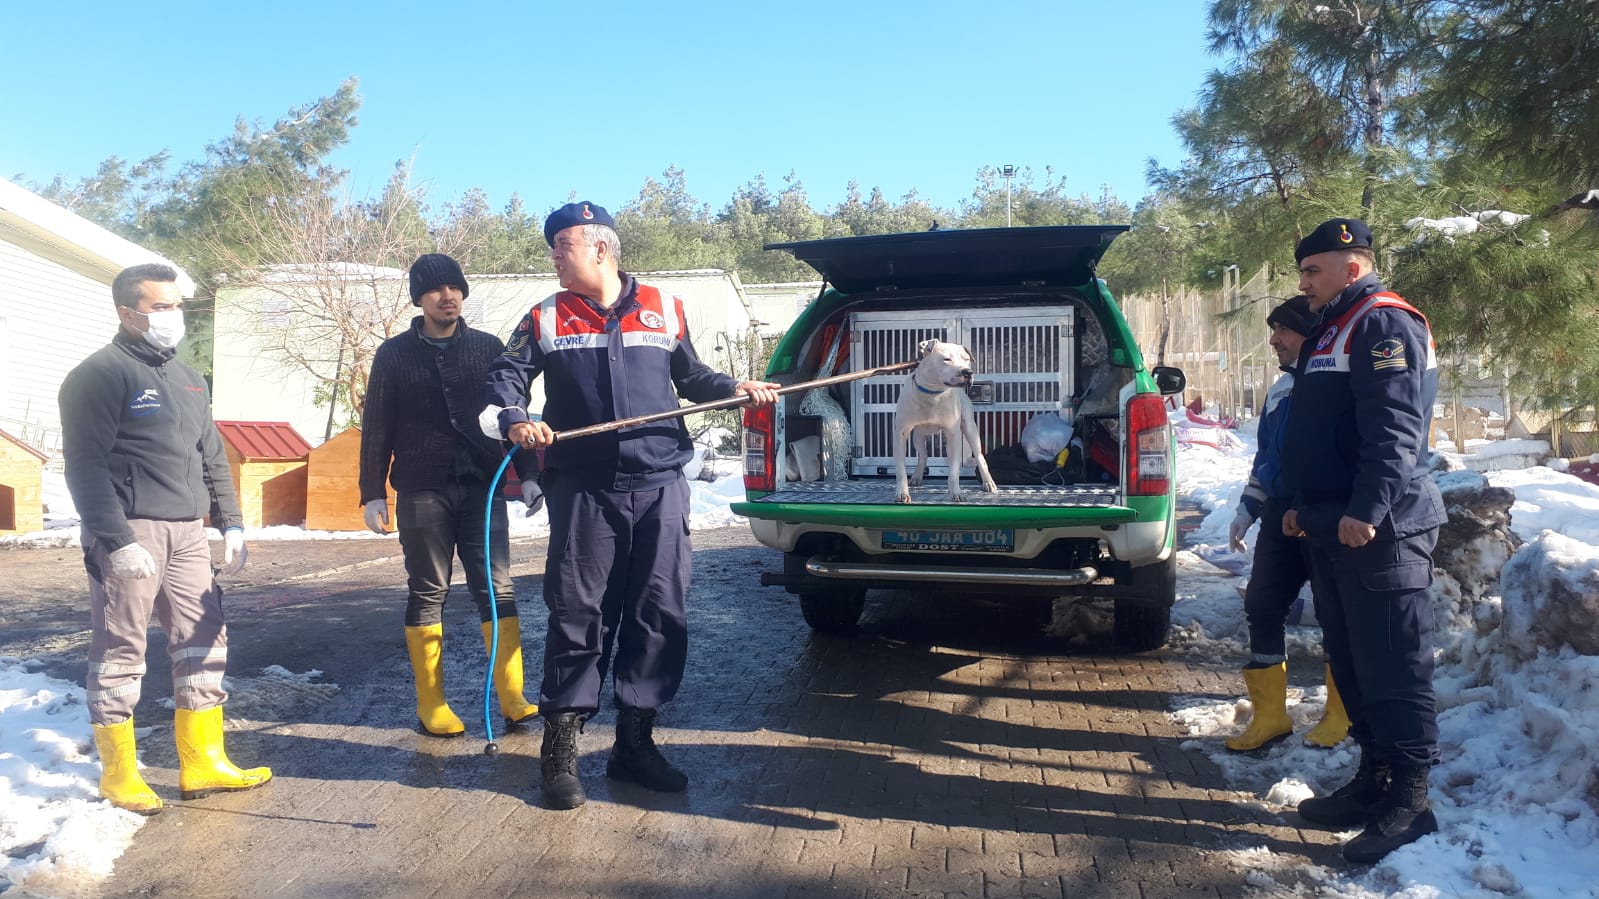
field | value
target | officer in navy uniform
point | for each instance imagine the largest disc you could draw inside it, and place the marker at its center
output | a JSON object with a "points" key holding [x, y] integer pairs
{"points": [[1355, 458], [609, 348]]}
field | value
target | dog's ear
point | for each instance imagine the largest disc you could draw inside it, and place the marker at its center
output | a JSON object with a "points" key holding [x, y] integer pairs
{"points": [[926, 346]]}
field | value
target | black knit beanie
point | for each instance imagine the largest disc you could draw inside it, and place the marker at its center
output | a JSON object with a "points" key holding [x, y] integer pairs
{"points": [[1295, 315], [434, 270]]}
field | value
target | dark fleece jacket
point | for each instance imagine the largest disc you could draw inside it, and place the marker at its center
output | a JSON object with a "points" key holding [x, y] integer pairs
{"points": [[139, 442], [421, 401]]}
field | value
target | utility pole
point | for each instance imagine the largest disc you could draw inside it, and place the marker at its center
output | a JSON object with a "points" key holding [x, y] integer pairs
{"points": [[1008, 171]]}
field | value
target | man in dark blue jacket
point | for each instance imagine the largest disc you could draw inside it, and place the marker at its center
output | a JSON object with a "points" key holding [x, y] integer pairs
{"points": [[1355, 457], [609, 348], [419, 432], [1282, 563]]}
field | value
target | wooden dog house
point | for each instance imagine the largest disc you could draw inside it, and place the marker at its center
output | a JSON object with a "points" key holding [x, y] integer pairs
{"points": [[268, 459], [333, 489], [21, 486]]}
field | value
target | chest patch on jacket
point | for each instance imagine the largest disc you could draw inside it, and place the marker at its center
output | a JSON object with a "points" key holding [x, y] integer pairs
{"points": [[146, 401]]}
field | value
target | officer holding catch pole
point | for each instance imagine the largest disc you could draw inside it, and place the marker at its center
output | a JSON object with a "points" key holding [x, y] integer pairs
{"points": [[609, 348]]}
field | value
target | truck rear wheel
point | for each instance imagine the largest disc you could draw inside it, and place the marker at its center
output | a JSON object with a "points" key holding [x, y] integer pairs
{"points": [[1143, 623], [833, 611]]}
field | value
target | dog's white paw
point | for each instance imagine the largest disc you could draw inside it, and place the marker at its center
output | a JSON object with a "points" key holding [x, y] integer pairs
{"points": [[903, 498], [916, 481], [989, 486], [957, 497]]}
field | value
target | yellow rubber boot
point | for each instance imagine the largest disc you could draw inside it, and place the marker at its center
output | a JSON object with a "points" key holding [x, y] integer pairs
{"points": [[1268, 692], [203, 765], [1334, 726], [120, 782], [508, 682], [426, 646]]}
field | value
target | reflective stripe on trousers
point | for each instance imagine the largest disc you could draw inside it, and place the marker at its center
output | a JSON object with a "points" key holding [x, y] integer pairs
{"points": [[186, 600]]}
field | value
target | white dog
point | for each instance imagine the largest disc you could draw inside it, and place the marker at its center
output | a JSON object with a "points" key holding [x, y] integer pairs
{"points": [[934, 399]]}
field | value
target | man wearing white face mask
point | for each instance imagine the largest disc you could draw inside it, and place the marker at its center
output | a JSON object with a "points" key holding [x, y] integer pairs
{"points": [[145, 466]]}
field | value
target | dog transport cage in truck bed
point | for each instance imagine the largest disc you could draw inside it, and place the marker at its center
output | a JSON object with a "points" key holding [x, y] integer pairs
{"points": [[1046, 340]]}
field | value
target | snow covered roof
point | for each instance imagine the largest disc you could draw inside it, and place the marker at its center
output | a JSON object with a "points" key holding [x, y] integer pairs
{"points": [[318, 271], [40, 226]]}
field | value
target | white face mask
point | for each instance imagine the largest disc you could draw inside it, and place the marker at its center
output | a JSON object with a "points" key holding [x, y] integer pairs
{"points": [[166, 328]]}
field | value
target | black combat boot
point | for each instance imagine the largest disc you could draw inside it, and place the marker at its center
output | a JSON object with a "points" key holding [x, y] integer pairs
{"points": [[635, 758], [1353, 804], [1405, 817], [558, 761]]}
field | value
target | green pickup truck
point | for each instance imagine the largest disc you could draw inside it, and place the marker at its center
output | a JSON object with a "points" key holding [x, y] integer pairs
{"points": [[1047, 339]]}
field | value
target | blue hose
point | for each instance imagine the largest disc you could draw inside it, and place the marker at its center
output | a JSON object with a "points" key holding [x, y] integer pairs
{"points": [[494, 609]]}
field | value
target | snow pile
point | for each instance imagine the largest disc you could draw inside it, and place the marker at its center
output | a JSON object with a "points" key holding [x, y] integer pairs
{"points": [[1517, 792], [56, 834], [1551, 598]]}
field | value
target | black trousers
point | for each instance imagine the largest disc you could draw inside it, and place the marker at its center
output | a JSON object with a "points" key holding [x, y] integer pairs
{"points": [[1377, 621], [438, 525], [617, 577], [1280, 570]]}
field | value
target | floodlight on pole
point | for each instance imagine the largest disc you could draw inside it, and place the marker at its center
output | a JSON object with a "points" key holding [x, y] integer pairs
{"points": [[1008, 171]]}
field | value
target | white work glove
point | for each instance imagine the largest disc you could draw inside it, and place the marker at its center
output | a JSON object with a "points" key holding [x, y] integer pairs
{"points": [[377, 516], [132, 561], [234, 552], [488, 421], [1236, 531], [533, 496]]}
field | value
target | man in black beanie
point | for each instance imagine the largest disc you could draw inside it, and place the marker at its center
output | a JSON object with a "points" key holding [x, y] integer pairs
{"points": [[1355, 457], [1282, 563], [421, 415]]}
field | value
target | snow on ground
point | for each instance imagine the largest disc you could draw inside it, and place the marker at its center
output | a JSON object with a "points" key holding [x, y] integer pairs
{"points": [[1519, 731], [1516, 791], [56, 835]]}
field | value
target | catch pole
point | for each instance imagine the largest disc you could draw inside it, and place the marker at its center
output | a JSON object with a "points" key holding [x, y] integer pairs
{"points": [[729, 402]]}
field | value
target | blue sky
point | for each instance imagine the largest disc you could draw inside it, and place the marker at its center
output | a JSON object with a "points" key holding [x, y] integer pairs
{"points": [[545, 100]]}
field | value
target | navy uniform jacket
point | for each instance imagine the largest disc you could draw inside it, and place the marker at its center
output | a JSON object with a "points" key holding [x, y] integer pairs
{"points": [[602, 365], [1356, 442]]}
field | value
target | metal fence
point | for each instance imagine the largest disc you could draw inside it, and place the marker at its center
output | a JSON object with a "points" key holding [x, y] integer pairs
{"points": [[1217, 337]]}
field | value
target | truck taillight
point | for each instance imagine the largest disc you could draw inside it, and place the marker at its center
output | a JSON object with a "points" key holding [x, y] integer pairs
{"points": [[1148, 447], [760, 448]]}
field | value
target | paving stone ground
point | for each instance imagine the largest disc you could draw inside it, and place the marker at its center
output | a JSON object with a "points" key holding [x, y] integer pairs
{"points": [[948, 749]]}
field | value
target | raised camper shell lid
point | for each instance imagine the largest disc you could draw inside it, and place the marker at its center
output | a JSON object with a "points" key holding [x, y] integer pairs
{"points": [[980, 257]]}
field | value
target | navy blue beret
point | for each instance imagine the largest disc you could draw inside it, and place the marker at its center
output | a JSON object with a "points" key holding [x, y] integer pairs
{"points": [[583, 213], [1334, 234]]}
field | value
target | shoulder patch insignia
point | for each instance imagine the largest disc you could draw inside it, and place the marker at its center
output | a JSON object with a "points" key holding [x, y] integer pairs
{"points": [[1388, 353], [518, 341]]}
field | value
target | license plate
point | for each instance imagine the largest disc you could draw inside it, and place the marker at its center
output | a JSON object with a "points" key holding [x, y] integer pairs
{"points": [[997, 540]]}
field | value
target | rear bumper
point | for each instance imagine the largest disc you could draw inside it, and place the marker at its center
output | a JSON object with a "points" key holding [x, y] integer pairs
{"points": [[951, 576], [1137, 542]]}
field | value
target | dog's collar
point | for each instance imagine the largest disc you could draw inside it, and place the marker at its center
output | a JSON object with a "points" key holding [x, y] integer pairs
{"points": [[925, 390]]}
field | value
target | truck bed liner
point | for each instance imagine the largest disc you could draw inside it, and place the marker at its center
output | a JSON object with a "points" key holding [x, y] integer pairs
{"points": [[874, 492]]}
